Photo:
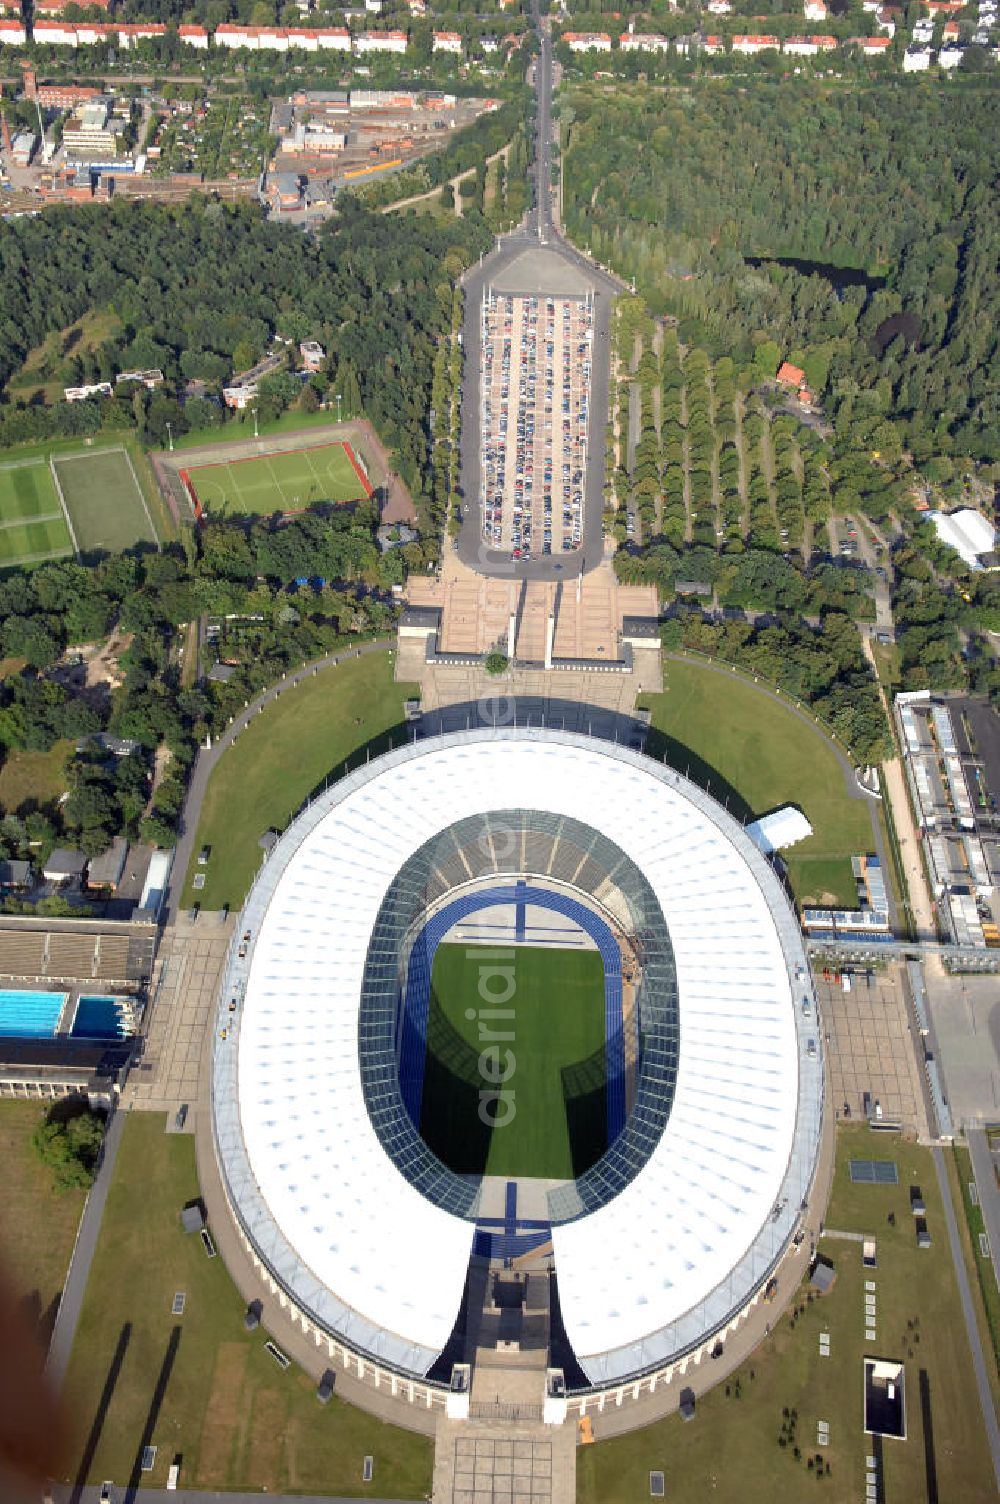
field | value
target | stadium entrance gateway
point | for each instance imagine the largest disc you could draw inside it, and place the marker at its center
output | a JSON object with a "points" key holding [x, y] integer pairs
{"points": [[497, 1107]]}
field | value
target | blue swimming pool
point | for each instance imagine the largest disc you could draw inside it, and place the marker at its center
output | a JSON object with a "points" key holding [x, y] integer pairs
{"points": [[98, 1018], [30, 1015]]}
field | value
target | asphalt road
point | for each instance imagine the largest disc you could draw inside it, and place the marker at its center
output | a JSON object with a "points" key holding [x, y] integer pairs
{"points": [[538, 229], [978, 1360], [989, 1196], [71, 1303], [208, 757]]}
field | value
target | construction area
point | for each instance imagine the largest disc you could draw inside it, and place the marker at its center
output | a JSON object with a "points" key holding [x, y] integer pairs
{"points": [[329, 138]]}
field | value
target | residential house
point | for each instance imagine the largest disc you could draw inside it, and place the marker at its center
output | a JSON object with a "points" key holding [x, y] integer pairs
{"points": [[587, 41], [380, 41], [754, 43], [193, 36], [53, 33], [12, 33], [814, 10], [789, 375], [916, 60], [643, 41], [447, 41]]}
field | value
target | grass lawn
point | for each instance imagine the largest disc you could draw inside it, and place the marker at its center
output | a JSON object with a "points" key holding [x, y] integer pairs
{"points": [[38, 1226], [281, 758], [33, 775], [558, 1023], [984, 1275], [240, 428], [745, 746], [276, 482], [104, 500], [32, 525], [46, 368], [237, 1419], [729, 1453]]}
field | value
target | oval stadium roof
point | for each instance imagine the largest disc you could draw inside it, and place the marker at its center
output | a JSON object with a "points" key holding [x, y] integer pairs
{"points": [[676, 1254]]}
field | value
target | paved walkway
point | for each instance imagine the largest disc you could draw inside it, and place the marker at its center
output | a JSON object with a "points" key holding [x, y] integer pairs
{"points": [[207, 758], [70, 1494], [984, 1169], [972, 1329], [83, 1252]]}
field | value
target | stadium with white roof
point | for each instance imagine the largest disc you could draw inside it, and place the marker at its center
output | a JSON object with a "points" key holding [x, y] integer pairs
{"points": [[364, 1234]]}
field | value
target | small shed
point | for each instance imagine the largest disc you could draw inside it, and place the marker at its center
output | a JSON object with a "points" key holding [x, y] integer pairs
{"points": [[822, 1277], [15, 874], [63, 865], [193, 1217], [105, 871]]}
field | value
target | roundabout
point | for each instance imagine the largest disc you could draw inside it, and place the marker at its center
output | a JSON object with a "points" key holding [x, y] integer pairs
{"points": [[661, 1244]]}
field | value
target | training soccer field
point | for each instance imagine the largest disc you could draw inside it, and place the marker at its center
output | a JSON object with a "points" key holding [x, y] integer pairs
{"points": [[559, 1123], [286, 482], [104, 501], [32, 524]]}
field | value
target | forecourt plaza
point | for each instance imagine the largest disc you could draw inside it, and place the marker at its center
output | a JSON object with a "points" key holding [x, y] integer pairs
{"points": [[363, 1233]]}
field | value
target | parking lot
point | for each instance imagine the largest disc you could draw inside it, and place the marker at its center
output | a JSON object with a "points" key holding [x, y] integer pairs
{"points": [[536, 363]]}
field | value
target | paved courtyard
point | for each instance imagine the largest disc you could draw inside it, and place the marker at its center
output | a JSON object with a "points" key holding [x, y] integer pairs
{"points": [[503, 1463], [190, 962], [870, 1048]]}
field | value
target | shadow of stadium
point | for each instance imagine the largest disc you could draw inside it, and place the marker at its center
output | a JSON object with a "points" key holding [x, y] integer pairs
{"points": [[450, 1124]]}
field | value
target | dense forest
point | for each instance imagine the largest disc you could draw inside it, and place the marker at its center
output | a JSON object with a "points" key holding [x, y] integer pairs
{"points": [[211, 287], [246, 579], [677, 188]]}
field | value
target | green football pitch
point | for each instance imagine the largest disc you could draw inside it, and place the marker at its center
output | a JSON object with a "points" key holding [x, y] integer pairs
{"points": [[32, 524], [276, 482], [104, 501], [556, 1069]]}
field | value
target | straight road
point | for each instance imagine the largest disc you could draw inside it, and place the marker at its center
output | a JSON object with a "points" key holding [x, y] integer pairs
{"points": [[983, 1167], [978, 1360], [70, 1305], [538, 229]]}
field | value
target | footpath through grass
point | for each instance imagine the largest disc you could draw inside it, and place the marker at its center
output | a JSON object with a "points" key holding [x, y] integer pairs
{"points": [[199, 1384], [745, 746], [554, 1122], [730, 1452], [38, 1225], [282, 756]]}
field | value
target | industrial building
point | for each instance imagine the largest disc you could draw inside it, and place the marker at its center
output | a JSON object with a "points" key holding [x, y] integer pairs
{"points": [[953, 774]]}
